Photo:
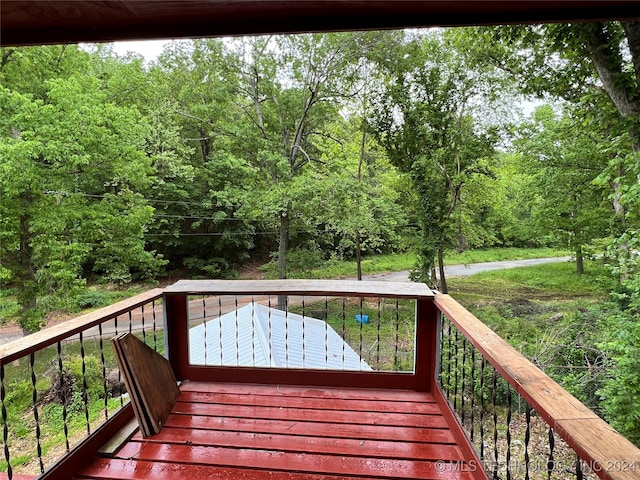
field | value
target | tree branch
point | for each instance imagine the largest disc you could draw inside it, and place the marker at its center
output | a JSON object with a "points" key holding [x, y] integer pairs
{"points": [[632, 31], [608, 65]]}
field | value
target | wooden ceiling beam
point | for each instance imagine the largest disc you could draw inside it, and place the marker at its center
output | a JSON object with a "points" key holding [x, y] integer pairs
{"points": [[36, 22]]}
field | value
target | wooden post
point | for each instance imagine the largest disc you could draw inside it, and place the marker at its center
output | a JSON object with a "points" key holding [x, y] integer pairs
{"points": [[176, 334], [427, 322]]}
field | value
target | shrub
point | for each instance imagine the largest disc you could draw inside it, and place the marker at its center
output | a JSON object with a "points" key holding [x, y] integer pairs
{"points": [[621, 391], [92, 299]]}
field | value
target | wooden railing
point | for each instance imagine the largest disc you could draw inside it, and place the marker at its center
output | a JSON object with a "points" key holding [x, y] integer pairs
{"points": [[522, 423], [60, 387], [282, 336], [500, 399]]}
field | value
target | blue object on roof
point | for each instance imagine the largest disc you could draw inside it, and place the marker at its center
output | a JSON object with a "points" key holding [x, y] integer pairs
{"points": [[256, 335]]}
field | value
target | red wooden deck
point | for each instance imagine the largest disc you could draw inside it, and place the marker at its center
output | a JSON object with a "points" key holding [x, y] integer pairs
{"points": [[240, 431]]}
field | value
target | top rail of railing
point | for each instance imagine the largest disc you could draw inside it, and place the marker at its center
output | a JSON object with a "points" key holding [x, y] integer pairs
{"points": [[302, 287], [51, 335]]}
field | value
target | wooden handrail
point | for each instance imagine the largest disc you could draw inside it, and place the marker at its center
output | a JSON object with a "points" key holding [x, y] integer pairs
{"points": [[302, 287], [605, 451], [49, 336]]}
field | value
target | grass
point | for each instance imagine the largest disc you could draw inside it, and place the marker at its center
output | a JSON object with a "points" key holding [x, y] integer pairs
{"points": [[335, 268], [82, 301], [102, 295], [550, 314], [545, 281], [500, 254]]}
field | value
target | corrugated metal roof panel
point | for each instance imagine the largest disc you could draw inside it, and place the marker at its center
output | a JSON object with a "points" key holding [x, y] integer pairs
{"points": [[256, 335], [238, 342]]}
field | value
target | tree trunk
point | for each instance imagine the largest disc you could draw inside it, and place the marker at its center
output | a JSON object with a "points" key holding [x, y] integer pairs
{"points": [[443, 279], [579, 260], [433, 277], [632, 31], [608, 65], [26, 278], [358, 255], [283, 247], [360, 162]]}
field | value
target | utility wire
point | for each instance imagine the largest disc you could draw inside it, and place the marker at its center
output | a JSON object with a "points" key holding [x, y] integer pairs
{"points": [[191, 217]]}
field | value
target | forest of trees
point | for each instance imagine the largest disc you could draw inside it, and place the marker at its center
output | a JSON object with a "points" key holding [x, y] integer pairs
{"points": [[298, 149]]}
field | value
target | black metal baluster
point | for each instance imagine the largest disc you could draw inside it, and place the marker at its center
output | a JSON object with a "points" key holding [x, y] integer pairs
{"points": [[144, 333], [508, 455], [286, 334], [120, 383], [396, 360], [326, 332], [440, 373], [344, 327], [361, 325], [104, 373], [253, 330], [155, 335], [527, 439], [5, 425], [550, 460], [34, 397], [130, 321], [271, 362], [579, 475], [220, 328], [494, 389], [378, 339], [473, 391], [85, 395], [449, 350], [464, 374], [65, 399], [483, 364], [204, 327], [304, 347], [237, 333], [455, 374]]}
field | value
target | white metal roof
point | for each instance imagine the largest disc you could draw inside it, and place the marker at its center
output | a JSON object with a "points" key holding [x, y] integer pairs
{"points": [[256, 335]]}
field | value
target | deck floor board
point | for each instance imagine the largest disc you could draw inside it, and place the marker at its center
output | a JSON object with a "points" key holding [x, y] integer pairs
{"points": [[290, 433], [364, 405]]}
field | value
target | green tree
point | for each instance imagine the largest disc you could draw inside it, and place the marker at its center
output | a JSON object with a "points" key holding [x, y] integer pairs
{"points": [[558, 152], [361, 191], [204, 178], [423, 118], [288, 89], [70, 157], [596, 68]]}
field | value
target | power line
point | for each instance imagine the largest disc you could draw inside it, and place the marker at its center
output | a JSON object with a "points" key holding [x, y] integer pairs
{"points": [[193, 217], [207, 234], [155, 200], [197, 217], [220, 234]]}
